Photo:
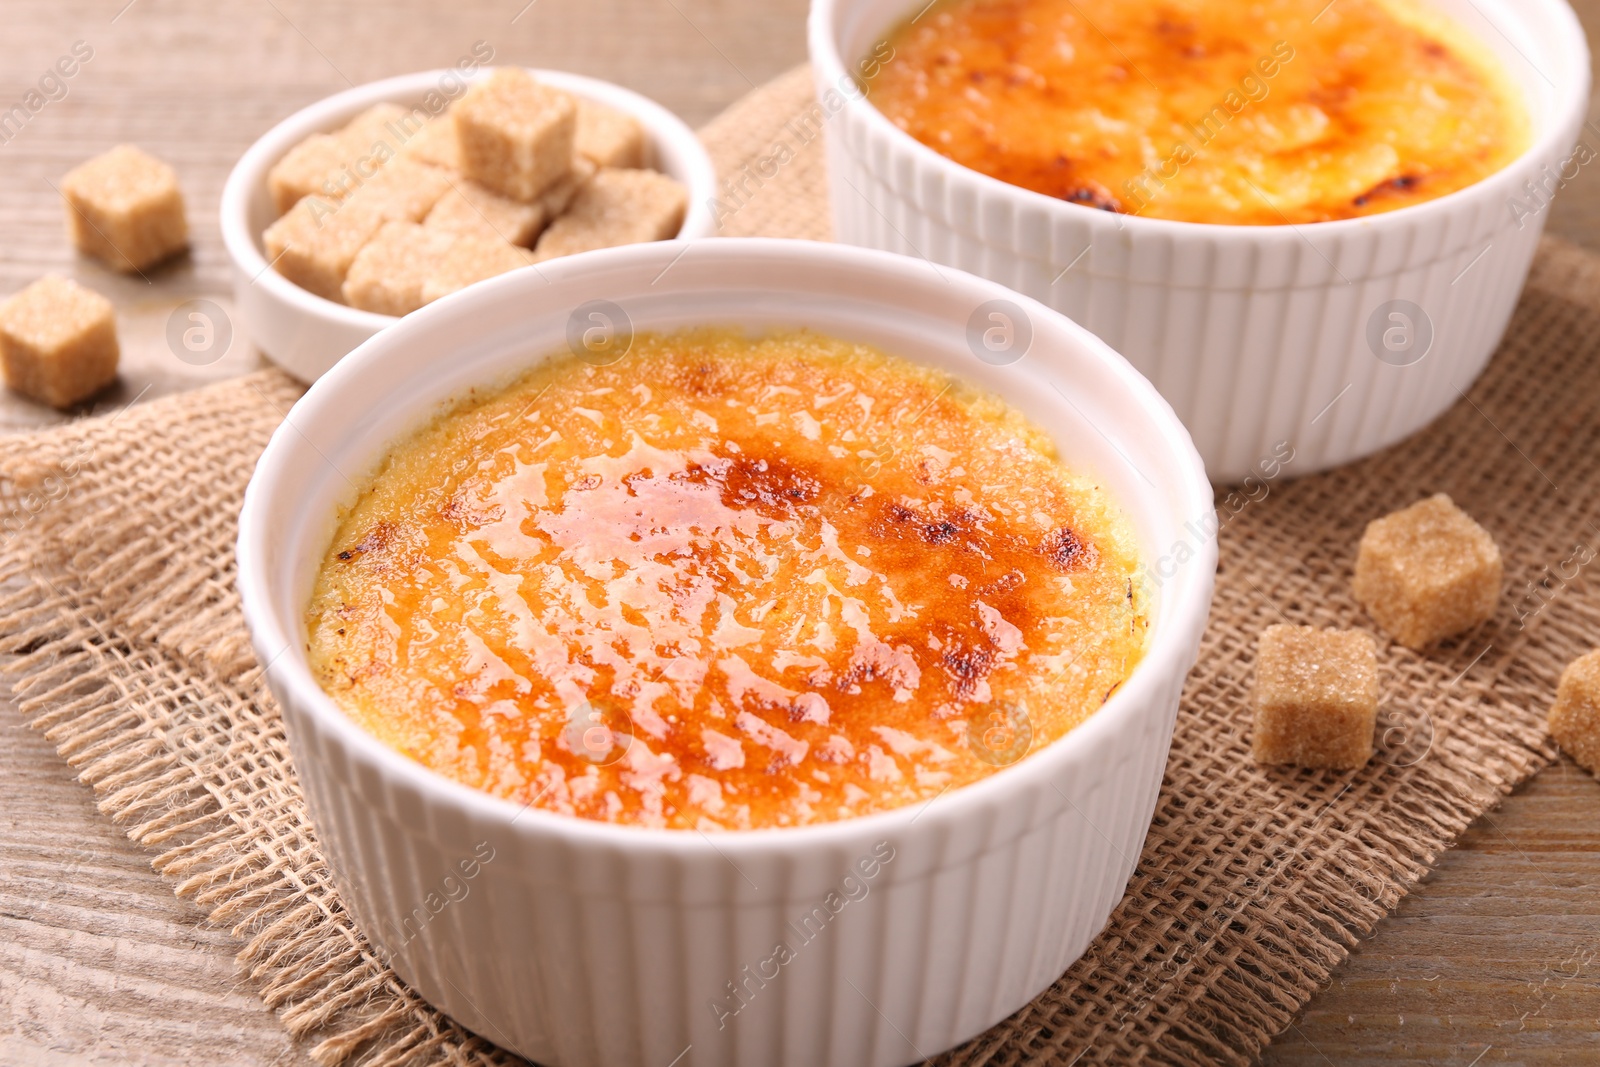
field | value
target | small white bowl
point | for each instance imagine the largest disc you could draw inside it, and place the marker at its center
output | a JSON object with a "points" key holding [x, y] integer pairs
{"points": [[1258, 335], [584, 943], [305, 334]]}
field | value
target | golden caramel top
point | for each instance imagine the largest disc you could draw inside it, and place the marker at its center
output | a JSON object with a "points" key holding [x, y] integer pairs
{"points": [[726, 583], [1262, 113]]}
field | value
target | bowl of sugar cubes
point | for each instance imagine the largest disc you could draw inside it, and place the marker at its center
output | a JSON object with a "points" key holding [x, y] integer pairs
{"points": [[370, 203]]}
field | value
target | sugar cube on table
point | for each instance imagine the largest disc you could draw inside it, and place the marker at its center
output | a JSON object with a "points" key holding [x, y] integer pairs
{"points": [[514, 135], [617, 207], [1428, 572], [607, 137], [468, 207], [125, 208], [472, 258], [58, 342], [1316, 697], [1575, 716], [315, 243], [388, 274]]}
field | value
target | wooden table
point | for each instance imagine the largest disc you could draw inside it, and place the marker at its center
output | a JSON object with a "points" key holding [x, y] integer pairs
{"points": [[1496, 959]]}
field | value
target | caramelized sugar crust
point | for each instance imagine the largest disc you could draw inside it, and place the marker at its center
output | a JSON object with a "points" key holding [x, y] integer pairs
{"points": [[726, 583], [1261, 113]]}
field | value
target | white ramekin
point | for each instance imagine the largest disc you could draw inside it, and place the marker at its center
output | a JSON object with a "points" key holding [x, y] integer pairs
{"points": [[1259, 336], [584, 943], [305, 334]]}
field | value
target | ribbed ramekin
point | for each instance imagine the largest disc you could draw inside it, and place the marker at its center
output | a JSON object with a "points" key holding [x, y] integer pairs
{"points": [[304, 333], [582, 943], [1267, 340]]}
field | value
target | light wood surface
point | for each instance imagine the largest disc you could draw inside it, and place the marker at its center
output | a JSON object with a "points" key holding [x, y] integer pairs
{"points": [[1494, 960]]}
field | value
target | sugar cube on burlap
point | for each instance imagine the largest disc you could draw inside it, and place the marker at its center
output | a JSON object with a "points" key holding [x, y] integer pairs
{"points": [[1316, 697], [1575, 716], [1427, 572], [58, 342], [125, 209]]}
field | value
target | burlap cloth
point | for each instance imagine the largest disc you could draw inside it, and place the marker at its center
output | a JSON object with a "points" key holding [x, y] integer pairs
{"points": [[130, 653]]}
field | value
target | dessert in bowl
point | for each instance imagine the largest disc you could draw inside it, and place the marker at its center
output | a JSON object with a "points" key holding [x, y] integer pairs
{"points": [[1306, 223], [1278, 113], [727, 582], [609, 931], [376, 168]]}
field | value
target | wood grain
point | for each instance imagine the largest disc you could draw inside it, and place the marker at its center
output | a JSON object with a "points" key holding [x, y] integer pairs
{"points": [[1496, 955], [99, 962], [1496, 959]]}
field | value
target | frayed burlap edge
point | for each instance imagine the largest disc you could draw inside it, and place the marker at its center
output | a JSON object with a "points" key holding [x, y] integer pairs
{"points": [[129, 653], [157, 702]]}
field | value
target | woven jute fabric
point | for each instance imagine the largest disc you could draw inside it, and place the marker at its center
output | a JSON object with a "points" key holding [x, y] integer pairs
{"points": [[127, 648]]}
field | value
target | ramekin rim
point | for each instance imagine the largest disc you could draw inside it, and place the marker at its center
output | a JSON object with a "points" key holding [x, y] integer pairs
{"points": [[661, 125], [829, 68], [1170, 651]]}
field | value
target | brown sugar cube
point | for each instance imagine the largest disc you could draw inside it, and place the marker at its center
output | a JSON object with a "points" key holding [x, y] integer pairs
{"points": [[607, 137], [472, 258], [381, 130], [1575, 716], [617, 207], [387, 275], [315, 243], [1427, 572], [559, 197], [468, 207], [58, 342], [332, 165], [405, 189], [1316, 697], [304, 170], [515, 135], [435, 144], [125, 208], [367, 143]]}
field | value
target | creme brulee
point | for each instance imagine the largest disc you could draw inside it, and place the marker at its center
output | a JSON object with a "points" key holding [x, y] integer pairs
{"points": [[726, 583], [1262, 113]]}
